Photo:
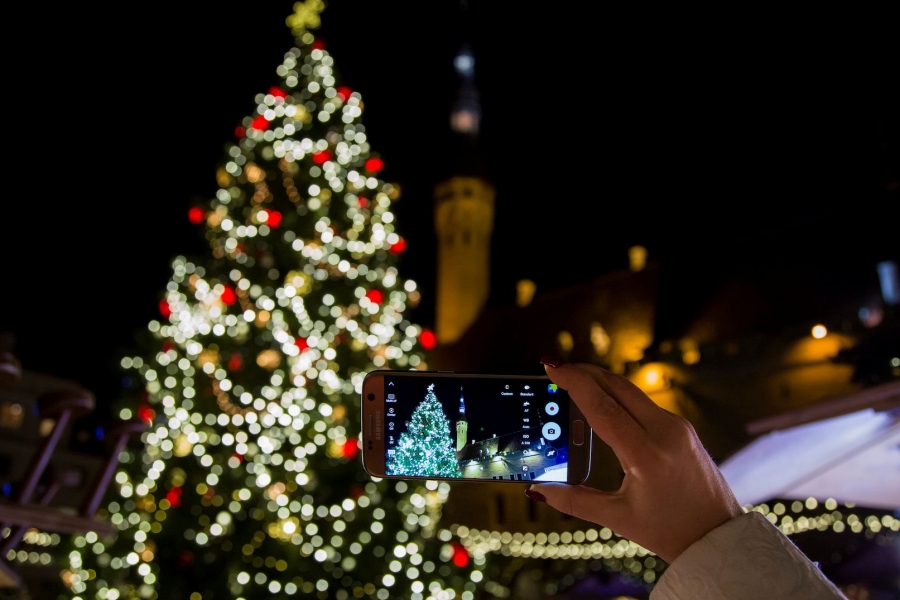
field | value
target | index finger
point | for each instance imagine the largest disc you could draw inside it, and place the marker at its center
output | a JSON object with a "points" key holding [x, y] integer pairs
{"points": [[606, 416], [632, 398]]}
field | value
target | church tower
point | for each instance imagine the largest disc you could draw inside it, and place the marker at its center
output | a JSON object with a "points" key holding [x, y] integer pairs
{"points": [[463, 215], [462, 426]]}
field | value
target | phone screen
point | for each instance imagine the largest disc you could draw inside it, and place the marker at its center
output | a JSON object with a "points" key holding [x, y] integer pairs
{"points": [[476, 428]]}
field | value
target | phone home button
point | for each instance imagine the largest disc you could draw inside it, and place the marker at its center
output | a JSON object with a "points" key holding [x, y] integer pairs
{"points": [[578, 433]]}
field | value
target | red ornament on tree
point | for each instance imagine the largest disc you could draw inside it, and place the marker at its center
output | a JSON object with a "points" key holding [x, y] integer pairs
{"points": [[274, 218], [301, 343], [375, 296], [350, 448], [146, 414], [260, 123], [321, 157], [164, 309], [399, 247], [277, 92], [196, 215], [460, 554], [228, 296], [344, 92], [235, 362], [174, 497], [318, 45], [428, 339], [240, 131], [374, 164], [362, 202]]}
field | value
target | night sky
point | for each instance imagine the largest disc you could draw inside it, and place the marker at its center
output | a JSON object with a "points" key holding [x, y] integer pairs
{"points": [[715, 144]]}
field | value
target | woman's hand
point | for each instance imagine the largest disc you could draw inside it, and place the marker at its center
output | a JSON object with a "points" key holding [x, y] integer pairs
{"points": [[673, 493]]}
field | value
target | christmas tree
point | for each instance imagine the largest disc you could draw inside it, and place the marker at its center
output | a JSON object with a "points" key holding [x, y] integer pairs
{"points": [[248, 483], [425, 448]]}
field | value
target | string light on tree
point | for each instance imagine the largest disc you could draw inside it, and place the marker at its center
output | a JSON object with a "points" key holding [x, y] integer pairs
{"points": [[250, 379]]}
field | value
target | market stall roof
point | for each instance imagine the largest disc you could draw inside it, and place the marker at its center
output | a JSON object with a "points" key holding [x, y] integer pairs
{"points": [[847, 449]]}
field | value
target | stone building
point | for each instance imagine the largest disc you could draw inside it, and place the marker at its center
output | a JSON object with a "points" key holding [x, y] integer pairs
{"points": [[738, 353]]}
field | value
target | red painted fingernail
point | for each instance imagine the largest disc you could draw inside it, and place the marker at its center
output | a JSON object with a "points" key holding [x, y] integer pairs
{"points": [[536, 496], [552, 361]]}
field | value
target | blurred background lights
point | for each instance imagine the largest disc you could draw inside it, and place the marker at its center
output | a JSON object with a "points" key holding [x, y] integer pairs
{"points": [[525, 289], [819, 331], [690, 351], [600, 339], [565, 341], [464, 63], [637, 258], [889, 277]]}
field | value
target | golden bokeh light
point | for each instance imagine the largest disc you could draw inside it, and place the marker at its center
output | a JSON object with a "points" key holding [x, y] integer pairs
{"points": [[525, 289], [599, 339], [268, 359], [637, 258], [690, 351], [565, 341]]}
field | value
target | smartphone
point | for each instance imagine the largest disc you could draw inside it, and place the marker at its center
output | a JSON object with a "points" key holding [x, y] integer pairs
{"points": [[472, 426]]}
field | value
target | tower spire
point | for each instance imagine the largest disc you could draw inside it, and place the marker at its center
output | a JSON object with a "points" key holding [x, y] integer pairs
{"points": [[464, 209], [462, 425]]}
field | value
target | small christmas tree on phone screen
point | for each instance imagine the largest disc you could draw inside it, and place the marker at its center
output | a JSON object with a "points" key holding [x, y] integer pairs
{"points": [[426, 447]]}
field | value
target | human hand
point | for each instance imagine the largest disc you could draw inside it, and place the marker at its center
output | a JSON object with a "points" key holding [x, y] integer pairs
{"points": [[672, 494]]}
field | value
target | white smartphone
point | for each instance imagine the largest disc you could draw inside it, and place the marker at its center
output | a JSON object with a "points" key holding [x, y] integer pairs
{"points": [[472, 426]]}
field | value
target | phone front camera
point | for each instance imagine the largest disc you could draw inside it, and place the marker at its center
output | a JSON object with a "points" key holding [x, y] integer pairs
{"points": [[371, 397]]}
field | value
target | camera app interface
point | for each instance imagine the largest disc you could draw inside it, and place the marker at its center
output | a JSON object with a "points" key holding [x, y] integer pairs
{"points": [[502, 429]]}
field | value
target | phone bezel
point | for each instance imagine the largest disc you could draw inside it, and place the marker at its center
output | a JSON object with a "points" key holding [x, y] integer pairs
{"points": [[373, 439]]}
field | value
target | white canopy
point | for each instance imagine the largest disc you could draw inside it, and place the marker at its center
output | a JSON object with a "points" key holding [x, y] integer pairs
{"points": [[852, 457]]}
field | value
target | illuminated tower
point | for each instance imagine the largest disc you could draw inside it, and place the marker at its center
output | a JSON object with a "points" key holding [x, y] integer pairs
{"points": [[462, 426], [463, 216]]}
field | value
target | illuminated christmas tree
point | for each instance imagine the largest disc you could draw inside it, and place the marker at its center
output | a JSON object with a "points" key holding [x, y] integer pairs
{"points": [[425, 448], [248, 483]]}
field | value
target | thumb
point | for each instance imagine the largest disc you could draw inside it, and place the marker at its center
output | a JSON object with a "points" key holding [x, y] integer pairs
{"points": [[588, 504]]}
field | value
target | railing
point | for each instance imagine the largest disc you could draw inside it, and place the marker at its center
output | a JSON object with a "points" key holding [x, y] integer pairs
{"points": [[34, 500]]}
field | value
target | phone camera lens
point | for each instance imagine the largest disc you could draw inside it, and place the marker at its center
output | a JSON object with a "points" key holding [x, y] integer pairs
{"points": [[371, 397]]}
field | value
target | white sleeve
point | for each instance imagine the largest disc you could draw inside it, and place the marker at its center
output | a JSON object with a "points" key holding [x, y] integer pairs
{"points": [[745, 558]]}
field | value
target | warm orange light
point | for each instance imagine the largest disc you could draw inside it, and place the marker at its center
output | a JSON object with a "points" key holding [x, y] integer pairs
{"points": [[637, 258], [268, 359], [600, 339], [565, 341], [819, 332], [690, 353], [651, 378], [525, 289]]}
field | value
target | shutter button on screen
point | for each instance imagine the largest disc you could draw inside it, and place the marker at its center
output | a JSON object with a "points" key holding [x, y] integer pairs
{"points": [[551, 431], [578, 433]]}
